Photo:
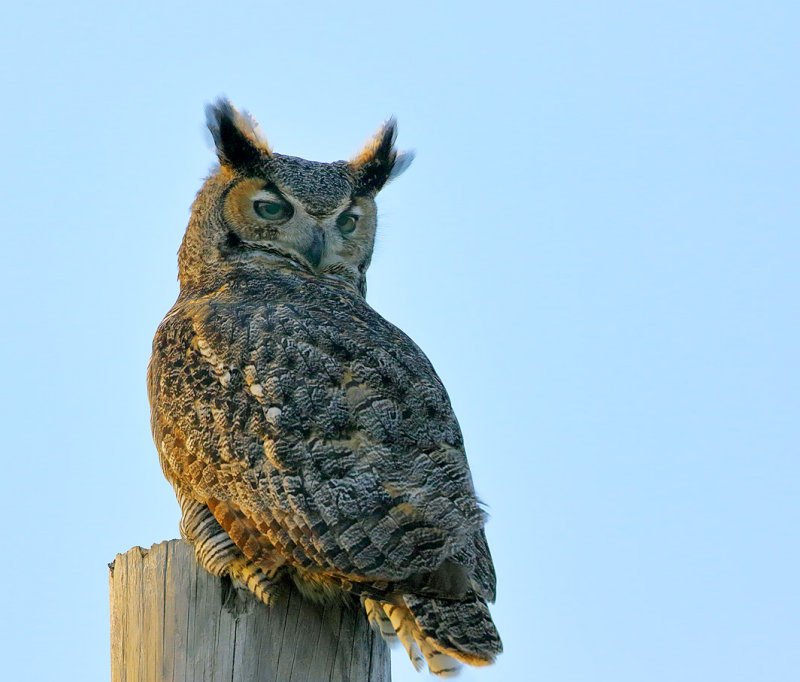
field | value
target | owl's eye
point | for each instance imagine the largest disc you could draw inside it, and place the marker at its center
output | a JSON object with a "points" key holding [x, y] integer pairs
{"points": [[346, 223], [273, 210]]}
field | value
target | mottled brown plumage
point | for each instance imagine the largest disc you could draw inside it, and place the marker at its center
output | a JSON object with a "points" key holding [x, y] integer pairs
{"points": [[304, 434]]}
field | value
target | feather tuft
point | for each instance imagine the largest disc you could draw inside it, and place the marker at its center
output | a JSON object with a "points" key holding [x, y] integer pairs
{"points": [[378, 162], [239, 140]]}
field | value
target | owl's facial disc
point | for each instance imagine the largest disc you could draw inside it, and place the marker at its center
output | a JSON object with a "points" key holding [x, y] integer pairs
{"points": [[265, 223]]}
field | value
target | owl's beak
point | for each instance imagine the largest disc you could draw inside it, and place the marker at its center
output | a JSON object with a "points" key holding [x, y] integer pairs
{"points": [[315, 249]]}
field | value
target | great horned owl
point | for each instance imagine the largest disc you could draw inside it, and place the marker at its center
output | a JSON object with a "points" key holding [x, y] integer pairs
{"points": [[305, 436]]}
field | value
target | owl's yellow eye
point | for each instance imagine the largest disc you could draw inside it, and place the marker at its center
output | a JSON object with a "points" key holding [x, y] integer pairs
{"points": [[346, 223], [273, 210]]}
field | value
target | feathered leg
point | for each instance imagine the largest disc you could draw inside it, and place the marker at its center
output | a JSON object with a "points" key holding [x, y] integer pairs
{"points": [[219, 555]]}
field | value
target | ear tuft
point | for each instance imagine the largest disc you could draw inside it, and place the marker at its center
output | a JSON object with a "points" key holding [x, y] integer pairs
{"points": [[402, 161], [237, 135], [378, 162]]}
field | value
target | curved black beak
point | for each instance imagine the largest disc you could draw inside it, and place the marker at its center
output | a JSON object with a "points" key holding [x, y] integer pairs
{"points": [[315, 249]]}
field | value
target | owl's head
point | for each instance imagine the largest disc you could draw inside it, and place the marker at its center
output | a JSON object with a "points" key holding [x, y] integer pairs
{"points": [[262, 210]]}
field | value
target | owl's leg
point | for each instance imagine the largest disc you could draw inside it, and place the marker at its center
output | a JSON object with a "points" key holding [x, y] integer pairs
{"points": [[213, 547], [265, 584], [219, 555]]}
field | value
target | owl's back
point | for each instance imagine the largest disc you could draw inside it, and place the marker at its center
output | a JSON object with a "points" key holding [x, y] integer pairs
{"points": [[340, 414]]}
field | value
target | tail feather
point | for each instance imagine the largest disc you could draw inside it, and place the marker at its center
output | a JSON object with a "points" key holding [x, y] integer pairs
{"points": [[461, 628], [440, 664], [445, 633], [417, 645]]}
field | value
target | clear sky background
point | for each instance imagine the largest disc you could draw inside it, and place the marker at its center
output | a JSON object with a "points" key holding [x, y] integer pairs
{"points": [[597, 247]]}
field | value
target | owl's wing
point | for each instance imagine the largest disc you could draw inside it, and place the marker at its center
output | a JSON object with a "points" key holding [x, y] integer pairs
{"points": [[318, 431]]}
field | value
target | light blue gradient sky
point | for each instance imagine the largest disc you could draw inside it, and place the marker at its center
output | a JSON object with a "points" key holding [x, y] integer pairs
{"points": [[597, 247]]}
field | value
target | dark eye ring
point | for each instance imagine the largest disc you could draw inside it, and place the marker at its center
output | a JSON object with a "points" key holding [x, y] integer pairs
{"points": [[346, 222], [273, 210]]}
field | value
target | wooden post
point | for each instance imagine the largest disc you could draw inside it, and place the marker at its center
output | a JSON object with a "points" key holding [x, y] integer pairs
{"points": [[171, 620]]}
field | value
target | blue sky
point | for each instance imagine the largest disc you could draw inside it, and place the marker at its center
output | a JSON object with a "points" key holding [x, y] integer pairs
{"points": [[597, 246]]}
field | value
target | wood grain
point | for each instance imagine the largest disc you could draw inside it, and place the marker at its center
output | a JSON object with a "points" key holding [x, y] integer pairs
{"points": [[172, 621]]}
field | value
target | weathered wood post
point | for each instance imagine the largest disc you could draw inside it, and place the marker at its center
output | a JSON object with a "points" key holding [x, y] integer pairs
{"points": [[171, 620]]}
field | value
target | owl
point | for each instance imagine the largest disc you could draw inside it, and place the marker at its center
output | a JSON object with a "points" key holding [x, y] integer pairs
{"points": [[307, 438]]}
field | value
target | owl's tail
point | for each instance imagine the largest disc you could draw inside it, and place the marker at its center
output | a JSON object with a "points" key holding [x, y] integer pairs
{"points": [[443, 632]]}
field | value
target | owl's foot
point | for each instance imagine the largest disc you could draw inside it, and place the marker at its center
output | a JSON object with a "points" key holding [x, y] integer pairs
{"points": [[265, 585]]}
